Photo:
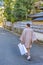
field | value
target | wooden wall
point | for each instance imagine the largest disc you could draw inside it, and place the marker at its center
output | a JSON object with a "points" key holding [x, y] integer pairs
{"points": [[37, 22]]}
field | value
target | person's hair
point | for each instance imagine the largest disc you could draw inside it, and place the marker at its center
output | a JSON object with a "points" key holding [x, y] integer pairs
{"points": [[28, 24]]}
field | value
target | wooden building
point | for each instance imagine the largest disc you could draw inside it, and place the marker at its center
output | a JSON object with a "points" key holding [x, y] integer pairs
{"points": [[38, 21], [37, 18]]}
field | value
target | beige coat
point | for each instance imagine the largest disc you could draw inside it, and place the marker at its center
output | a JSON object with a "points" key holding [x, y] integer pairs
{"points": [[26, 37]]}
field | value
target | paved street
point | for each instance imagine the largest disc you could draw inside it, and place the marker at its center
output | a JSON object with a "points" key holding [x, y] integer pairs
{"points": [[9, 52]]}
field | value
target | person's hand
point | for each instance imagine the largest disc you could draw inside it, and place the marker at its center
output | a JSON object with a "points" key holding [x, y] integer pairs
{"points": [[22, 42]]}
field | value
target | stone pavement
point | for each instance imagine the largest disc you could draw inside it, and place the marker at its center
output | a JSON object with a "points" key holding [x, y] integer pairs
{"points": [[9, 52]]}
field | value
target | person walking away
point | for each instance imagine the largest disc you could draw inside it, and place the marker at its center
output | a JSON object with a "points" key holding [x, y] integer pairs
{"points": [[26, 39]]}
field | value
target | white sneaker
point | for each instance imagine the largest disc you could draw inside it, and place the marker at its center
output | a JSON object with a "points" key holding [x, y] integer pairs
{"points": [[28, 58]]}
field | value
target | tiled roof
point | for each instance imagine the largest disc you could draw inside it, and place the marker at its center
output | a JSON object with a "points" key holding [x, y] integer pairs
{"points": [[39, 18], [37, 15]]}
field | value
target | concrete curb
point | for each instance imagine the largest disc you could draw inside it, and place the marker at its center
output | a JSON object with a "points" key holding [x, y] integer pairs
{"points": [[12, 32], [39, 36]]}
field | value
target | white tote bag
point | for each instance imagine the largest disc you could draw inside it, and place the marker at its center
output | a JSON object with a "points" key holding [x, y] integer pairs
{"points": [[22, 49]]}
